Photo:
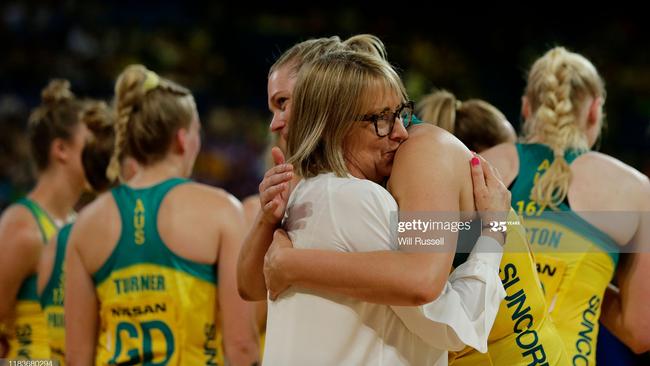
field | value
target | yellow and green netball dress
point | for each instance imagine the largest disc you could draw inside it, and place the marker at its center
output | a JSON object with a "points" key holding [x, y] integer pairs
{"points": [[575, 260], [523, 332], [156, 308], [28, 335], [52, 298]]}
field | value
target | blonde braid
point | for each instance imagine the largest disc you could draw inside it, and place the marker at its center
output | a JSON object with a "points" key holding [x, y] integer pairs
{"points": [[129, 91], [554, 123]]}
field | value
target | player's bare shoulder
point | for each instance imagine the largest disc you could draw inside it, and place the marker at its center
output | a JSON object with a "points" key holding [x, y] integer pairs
{"points": [[426, 140], [431, 133], [99, 211], [608, 164], [17, 216], [434, 157], [92, 223], [18, 227], [207, 200], [199, 192], [612, 175]]}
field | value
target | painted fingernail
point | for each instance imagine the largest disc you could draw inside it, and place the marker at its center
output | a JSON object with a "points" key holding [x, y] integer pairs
{"points": [[475, 161]]}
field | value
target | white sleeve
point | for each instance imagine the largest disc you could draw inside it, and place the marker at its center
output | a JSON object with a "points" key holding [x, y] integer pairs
{"points": [[465, 311]]}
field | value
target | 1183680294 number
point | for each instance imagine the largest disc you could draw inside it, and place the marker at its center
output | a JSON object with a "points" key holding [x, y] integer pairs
{"points": [[15, 362]]}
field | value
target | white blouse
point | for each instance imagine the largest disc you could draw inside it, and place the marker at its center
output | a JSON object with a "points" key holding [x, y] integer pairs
{"points": [[305, 327]]}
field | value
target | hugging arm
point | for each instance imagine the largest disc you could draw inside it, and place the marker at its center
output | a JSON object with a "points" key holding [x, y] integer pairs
{"points": [[400, 278], [386, 277], [274, 195]]}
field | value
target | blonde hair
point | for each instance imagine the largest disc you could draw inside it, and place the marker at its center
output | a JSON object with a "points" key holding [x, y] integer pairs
{"points": [[330, 94], [310, 50], [56, 117], [477, 123], [150, 110], [558, 83]]}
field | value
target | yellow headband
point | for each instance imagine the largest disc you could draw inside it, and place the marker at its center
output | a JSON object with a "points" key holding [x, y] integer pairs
{"points": [[151, 82]]}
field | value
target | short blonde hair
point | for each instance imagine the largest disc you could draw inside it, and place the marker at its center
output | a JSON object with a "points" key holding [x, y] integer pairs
{"points": [[558, 83], [330, 94]]}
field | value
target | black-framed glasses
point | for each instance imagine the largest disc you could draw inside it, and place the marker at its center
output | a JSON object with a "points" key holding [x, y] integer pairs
{"points": [[385, 121]]}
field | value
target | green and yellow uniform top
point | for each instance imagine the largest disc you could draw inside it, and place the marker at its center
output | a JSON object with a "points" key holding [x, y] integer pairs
{"points": [[523, 332], [156, 308], [27, 336], [53, 296], [575, 260]]}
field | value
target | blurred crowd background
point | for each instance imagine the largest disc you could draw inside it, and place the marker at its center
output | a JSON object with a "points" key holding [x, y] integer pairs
{"points": [[222, 52]]}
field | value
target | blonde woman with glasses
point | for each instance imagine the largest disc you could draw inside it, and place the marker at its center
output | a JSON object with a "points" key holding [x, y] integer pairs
{"points": [[393, 278], [345, 149]]}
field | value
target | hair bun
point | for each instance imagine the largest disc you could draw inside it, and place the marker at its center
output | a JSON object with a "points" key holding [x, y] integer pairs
{"points": [[97, 116], [56, 91]]}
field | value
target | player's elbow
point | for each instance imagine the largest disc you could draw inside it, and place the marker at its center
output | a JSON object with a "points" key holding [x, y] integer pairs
{"points": [[250, 293], [423, 296], [637, 336], [640, 347], [247, 295], [243, 290], [426, 291], [640, 340]]}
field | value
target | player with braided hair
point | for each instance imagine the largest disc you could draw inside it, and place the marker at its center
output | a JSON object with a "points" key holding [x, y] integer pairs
{"points": [[143, 259], [558, 183]]}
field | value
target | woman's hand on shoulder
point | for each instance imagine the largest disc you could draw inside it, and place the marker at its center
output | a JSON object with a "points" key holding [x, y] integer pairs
{"points": [[491, 197]]}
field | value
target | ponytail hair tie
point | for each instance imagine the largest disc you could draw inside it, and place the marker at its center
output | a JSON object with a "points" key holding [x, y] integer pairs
{"points": [[151, 82]]}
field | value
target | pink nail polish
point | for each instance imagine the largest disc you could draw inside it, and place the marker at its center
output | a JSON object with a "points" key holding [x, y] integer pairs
{"points": [[475, 161]]}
